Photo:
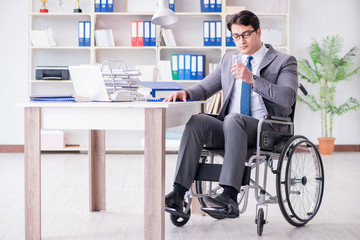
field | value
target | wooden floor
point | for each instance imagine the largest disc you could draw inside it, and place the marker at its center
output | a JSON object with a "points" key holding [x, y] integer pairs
{"points": [[65, 208]]}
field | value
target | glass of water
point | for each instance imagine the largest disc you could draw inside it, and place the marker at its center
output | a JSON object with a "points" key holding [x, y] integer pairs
{"points": [[236, 58]]}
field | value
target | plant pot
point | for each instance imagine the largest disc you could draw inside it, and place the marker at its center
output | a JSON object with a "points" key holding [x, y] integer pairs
{"points": [[326, 145]]}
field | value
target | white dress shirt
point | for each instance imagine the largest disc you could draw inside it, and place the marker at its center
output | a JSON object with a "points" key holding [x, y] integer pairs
{"points": [[256, 103]]}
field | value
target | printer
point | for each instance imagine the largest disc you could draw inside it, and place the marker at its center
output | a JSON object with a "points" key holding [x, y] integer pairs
{"points": [[52, 73]]}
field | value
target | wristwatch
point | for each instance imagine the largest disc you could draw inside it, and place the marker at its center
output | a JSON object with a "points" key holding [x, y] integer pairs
{"points": [[253, 80]]}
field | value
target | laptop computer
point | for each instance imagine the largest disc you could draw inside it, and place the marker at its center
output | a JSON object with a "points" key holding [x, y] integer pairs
{"points": [[88, 83]]}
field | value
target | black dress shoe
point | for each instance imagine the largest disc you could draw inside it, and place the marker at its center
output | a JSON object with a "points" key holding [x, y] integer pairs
{"points": [[174, 204], [223, 206]]}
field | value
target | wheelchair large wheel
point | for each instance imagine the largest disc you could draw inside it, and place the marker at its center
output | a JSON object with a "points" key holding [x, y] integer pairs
{"points": [[299, 181]]}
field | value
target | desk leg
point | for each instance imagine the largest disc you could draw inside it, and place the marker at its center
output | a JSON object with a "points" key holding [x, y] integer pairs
{"points": [[97, 201], [154, 167], [32, 173]]}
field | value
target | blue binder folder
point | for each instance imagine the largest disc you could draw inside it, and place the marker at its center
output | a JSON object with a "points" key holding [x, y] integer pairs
{"points": [[147, 33], [218, 5], [172, 5], [87, 32], [200, 67], [193, 73], [187, 67], [157, 87], [181, 64], [206, 30], [212, 5], [205, 6], [81, 33], [218, 33], [103, 5], [212, 33], [152, 34], [97, 6], [110, 6]]}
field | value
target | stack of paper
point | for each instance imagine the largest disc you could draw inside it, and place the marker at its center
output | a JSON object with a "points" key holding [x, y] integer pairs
{"points": [[43, 38], [104, 38], [168, 37]]}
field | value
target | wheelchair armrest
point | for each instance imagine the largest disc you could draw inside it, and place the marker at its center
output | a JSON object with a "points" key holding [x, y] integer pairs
{"points": [[277, 118]]}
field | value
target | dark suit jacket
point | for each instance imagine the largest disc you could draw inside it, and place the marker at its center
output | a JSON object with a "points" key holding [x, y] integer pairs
{"points": [[277, 83]]}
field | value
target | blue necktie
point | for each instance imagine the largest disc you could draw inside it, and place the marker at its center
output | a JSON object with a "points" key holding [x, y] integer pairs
{"points": [[245, 93]]}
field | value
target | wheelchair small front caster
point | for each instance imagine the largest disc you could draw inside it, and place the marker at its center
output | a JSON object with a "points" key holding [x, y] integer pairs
{"points": [[180, 221], [260, 221]]}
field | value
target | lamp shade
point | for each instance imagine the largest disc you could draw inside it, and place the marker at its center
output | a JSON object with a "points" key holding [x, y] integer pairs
{"points": [[164, 16]]}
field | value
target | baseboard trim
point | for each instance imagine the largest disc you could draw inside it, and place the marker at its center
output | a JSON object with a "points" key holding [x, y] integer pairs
{"points": [[11, 148], [20, 149]]}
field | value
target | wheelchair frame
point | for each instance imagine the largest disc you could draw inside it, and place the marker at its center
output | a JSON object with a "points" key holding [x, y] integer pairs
{"points": [[262, 196]]}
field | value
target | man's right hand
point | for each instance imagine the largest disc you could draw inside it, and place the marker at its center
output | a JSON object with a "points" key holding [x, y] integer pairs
{"points": [[181, 95]]}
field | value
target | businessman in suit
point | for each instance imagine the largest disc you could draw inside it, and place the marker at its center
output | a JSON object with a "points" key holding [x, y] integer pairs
{"points": [[265, 82]]}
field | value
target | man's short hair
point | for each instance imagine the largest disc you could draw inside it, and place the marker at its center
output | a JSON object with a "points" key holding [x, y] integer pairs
{"points": [[245, 18]]}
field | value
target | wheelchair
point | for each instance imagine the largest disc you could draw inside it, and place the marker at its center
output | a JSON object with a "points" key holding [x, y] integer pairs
{"points": [[294, 160]]}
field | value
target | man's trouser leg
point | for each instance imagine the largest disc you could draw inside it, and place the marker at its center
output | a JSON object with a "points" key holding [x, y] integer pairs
{"points": [[240, 134], [201, 129]]}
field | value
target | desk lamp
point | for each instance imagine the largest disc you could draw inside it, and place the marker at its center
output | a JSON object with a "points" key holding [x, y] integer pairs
{"points": [[162, 17]]}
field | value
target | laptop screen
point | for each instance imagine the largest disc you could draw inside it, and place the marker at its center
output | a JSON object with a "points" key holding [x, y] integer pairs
{"points": [[88, 82]]}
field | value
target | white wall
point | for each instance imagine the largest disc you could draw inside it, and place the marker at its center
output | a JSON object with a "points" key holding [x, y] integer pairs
{"points": [[318, 19], [13, 69], [308, 19]]}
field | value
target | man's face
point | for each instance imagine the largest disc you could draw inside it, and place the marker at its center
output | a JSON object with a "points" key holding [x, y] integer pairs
{"points": [[250, 42]]}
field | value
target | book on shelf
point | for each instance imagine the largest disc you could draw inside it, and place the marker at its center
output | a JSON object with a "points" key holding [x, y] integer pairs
{"points": [[168, 37], [43, 38], [104, 38]]}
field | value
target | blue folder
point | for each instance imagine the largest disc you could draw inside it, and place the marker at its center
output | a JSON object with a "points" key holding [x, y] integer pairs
{"points": [[161, 86]]}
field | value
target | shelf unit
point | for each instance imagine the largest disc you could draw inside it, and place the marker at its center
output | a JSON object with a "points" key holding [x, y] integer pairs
{"points": [[189, 39]]}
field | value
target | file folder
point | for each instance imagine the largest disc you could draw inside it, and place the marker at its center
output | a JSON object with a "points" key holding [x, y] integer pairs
{"points": [[193, 75], [206, 33], [140, 33], [110, 6], [159, 88], [205, 6], [212, 33], [212, 5], [181, 64], [175, 66], [103, 5], [152, 34], [200, 67], [87, 33], [172, 5], [187, 67], [147, 33], [218, 6], [133, 33], [229, 41], [97, 6], [218, 33], [81, 33]]}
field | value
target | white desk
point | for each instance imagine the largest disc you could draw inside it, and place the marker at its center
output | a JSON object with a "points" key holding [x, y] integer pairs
{"points": [[98, 117]]}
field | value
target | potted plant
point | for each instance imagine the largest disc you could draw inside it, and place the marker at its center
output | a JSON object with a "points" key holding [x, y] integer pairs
{"points": [[324, 72]]}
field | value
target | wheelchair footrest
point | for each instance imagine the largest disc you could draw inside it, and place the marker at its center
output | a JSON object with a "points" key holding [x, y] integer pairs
{"points": [[173, 211], [220, 212]]}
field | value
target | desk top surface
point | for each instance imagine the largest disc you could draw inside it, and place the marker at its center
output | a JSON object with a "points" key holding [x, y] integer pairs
{"points": [[139, 104]]}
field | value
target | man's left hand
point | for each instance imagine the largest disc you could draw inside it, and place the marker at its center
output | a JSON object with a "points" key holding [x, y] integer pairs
{"points": [[240, 71]]}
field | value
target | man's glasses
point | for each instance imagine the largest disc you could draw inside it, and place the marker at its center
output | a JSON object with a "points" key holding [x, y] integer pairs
{"points": [[244, 35]]}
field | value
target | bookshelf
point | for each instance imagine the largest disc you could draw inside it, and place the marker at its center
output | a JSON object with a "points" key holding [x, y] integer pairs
{"points": [[64, 24]]}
